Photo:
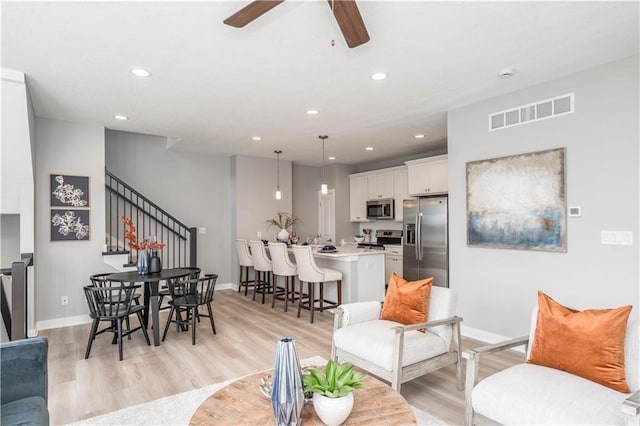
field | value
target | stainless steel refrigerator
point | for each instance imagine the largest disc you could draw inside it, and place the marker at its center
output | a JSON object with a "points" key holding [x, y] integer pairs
{"points": [[426, 248]]}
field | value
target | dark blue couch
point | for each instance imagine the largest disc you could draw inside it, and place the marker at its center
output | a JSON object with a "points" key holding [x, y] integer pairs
{"points": [[23, 382]]}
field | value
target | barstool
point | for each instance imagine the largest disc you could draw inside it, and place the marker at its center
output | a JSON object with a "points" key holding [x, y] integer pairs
{"points": [[262, 266], [310, 273], [282, 267], [246, 263]]}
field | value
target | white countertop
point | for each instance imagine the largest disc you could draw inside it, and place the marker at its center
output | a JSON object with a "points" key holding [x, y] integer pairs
{"points": [[345, 251]]}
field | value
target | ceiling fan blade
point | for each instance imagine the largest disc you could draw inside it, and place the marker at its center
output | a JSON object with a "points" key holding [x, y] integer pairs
{"points": [[252, 11], [350, 21]]}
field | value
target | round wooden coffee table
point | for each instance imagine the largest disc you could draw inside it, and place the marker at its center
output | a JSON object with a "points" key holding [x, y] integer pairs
{"points": [[241, 402]]}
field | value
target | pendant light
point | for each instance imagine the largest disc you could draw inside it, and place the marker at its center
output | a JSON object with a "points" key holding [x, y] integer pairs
{"points": [[324, 189], [278, 193]]}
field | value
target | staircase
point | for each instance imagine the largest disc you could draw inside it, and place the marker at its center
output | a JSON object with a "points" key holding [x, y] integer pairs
{"points": [[149, 220]]}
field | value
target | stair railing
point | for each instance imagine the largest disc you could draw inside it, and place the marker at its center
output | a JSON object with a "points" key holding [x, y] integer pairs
{"points": [[14, 313], [149, 220]]}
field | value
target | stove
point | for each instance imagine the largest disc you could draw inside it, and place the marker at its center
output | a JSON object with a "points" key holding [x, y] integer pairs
{"points": [[374, 246], [383, 237]]}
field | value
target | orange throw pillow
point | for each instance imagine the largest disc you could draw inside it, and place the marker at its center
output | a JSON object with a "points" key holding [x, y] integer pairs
{"points": [[407, 302], [588, 343]]}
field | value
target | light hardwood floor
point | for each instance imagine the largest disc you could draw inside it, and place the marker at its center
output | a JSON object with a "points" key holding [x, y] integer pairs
{"points": [[246, 341]]}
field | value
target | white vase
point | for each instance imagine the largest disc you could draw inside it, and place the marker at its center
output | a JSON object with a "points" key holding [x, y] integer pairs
{"points": [[333, 411], [283, 234]]}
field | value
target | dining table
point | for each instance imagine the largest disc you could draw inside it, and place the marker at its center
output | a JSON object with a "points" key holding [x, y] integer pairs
{"points": [[151, 289]]}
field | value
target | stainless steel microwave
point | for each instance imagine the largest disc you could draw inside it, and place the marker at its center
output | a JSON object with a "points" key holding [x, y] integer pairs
{"points": [[380, 209]]}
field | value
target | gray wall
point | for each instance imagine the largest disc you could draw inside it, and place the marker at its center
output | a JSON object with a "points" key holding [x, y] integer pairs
{"points": [[338, 178], [63, 267], [306, 184], [194, 188], [253, 183], [255, 188], [601, 140], [9, 239]]}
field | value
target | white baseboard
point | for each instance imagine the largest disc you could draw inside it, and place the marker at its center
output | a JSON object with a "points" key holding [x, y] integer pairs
{"points": [[486, 336], [84, 319], [63, 322], [226, 286]]}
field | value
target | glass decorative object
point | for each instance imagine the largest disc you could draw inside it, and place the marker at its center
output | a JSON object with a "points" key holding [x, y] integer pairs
{"points": [[287, 395], [142, 264]]}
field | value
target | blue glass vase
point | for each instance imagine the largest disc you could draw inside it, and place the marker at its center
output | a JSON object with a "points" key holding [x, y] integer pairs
{"points": [[142, 264], [287, 395]]}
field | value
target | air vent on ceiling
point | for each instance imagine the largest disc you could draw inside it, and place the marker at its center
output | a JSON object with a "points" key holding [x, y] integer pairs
{"points": [[541, 110]]}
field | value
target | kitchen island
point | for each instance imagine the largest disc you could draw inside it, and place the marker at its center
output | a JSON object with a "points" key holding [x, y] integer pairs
{"points": [[362, 273]]}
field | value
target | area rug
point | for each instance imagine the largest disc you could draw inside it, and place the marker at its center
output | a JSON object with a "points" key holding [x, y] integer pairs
{"points": [[178, 409]]}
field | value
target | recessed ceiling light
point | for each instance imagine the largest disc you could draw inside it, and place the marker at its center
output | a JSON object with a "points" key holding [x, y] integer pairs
{"points": [[369, 148], [120, 117], [139, 72], [332, 158], [256, 138], [378, 76], [419, 136], [505, 73], [312, 111]]}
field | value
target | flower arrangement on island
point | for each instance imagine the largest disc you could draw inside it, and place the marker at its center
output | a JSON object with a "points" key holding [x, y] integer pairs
{"points": [[284, 220], [134, 244]]}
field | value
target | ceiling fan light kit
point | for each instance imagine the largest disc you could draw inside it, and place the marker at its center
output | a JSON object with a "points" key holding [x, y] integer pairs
{"points": [[345, 11]]}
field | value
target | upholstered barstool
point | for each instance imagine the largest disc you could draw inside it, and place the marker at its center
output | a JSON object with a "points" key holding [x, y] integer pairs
{"points": [[310, 273], [246, 263], [282, 267], [263, 267]]}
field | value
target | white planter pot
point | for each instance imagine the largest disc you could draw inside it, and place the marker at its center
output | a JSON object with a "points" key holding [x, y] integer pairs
{"points": [[283, 234], [333, 411]]}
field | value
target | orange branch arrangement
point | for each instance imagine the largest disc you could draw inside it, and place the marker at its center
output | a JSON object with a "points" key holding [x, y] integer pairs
{"points": [[134, 244]]}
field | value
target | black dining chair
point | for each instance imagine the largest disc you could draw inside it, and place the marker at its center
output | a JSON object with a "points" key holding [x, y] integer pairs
{"points": [[186, 297], [99, 280], [111, 301], [194, 273]]}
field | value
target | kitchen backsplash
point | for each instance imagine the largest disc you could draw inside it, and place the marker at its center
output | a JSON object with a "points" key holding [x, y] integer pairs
{"points": [[379, 224]]}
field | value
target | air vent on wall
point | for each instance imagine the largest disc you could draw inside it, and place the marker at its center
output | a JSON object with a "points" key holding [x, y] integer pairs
{"points": [[529, 113]]}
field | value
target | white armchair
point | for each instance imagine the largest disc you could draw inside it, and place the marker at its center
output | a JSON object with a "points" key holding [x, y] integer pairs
{"points": [[533, 394], [396, 352]]}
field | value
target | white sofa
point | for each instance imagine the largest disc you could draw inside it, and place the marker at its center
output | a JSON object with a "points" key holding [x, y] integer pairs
{"points": [[533, 394]]}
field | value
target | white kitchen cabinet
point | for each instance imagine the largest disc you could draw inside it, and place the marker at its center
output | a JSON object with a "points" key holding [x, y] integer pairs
{"points": [[358, 198], [380, 185], [400, 192], [428, 176], [392, 262]]}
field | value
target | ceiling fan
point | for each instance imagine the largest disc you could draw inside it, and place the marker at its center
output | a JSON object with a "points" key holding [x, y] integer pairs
{"points": [[345, 11]]}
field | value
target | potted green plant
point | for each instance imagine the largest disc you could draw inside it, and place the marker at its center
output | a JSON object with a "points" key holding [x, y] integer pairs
{"points": [[333, 391]]}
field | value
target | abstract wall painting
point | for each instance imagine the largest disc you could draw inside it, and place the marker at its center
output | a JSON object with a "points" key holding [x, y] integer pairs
{"points": [[69, 225], [518, 202], [69, 191]]}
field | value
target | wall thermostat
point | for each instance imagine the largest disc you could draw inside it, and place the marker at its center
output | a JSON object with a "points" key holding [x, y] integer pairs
{"points": [[575, 211]]}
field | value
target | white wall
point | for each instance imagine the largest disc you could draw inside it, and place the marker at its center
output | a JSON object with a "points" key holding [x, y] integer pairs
{"points": [[194, 188], [497, 288], [17, 171], [16, 156], [63, 267]]}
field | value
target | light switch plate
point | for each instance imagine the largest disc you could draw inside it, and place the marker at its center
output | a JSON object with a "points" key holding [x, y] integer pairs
{"points": [[623, 238], [575, 211]]}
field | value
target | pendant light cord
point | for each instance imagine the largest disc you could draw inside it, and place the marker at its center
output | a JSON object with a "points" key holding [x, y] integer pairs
{"points": [[323, 138]]}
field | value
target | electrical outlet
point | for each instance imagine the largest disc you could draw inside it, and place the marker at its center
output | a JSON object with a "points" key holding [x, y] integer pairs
{"points": [[64, 300]]}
